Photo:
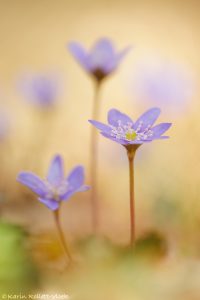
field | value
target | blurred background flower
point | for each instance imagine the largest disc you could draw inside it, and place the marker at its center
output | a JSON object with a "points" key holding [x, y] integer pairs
{"points": [[41, 90], [162, 82], [101, 60]]}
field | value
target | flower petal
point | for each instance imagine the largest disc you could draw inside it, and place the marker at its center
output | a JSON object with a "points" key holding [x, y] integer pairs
{"points": [[159, 129], [33, 182], [115, 115], [51, 204], [103, 45], [147, 119], [101, 55], [79, 53], [84, 188], [56, 171], [73, 191], [114, 62], [124, 52], [101, 126], [76, 177], [163, 137], [119, 141]]}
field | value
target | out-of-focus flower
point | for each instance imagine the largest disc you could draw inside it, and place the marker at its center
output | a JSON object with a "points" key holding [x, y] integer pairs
{"points": [[41, 89], [56, 188], [166, 84], [101, 60], [123, 130]]}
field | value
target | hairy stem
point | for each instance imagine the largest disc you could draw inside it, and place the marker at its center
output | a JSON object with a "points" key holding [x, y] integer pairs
{"points": [[61, 235], [94, 159]]}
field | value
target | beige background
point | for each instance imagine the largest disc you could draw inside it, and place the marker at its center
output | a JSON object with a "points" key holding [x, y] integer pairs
{"points": [[33, 38]]}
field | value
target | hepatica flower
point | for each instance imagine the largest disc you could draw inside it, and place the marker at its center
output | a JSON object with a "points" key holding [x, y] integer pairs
{"points": [[55, 189], [123, 130], [40, 89], [101, 60], [166, 84]]}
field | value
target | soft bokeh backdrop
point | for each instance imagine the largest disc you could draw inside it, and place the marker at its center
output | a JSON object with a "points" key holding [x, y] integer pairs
{"points": [[163, 69]]}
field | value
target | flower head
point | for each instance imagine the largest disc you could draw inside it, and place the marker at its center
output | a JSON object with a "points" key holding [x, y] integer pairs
{"points": [[40, 89], [167, 84], [123, 130], [55, 188], [101, 60]]}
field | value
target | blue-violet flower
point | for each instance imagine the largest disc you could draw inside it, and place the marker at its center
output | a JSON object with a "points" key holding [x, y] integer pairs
{"points": [[56, 187], [101, 60], [40, 89], [123, 130]]}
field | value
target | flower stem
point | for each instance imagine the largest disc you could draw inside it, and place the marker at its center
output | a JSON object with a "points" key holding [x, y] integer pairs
{"points": [[131, 155], [94, 159], [61, 235]]}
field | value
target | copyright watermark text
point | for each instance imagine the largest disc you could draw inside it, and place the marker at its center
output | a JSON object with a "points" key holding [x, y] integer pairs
{"points": [[35, 296]]}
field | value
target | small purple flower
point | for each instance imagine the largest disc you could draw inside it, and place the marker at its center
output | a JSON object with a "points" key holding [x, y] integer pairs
{"points": [[167, 84], [101, 60], [124, 131], [55, 188], [40, 89]]}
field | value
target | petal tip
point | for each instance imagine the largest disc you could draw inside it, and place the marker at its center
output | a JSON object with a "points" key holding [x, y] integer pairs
{"points": [[57, 156], [156, 109], [70, 45], [18, 177]]}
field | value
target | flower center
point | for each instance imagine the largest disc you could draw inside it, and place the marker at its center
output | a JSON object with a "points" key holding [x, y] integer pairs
{"points": [[127, 133], [131, 135], [55, 192]]}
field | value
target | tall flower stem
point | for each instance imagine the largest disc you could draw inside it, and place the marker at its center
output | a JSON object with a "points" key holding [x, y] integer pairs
{"points": [[94, 158], [61, 235], [131, 155]]}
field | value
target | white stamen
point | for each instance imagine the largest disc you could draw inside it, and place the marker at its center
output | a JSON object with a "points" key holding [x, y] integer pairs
{"points": [[55, 192], [127, 133]]}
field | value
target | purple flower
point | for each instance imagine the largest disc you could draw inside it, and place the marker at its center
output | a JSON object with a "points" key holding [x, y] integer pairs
{"points": [[123, 130], [167, 84], [55, 188], [101, 60], [40, 89]]}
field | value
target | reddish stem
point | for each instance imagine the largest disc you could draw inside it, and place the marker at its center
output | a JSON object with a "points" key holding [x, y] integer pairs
{"points": [[61, 235], [131, 155], [94, 160]]}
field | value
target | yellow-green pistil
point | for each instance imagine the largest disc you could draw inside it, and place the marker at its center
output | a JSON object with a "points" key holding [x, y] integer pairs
{"points": [[131, 135]]}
